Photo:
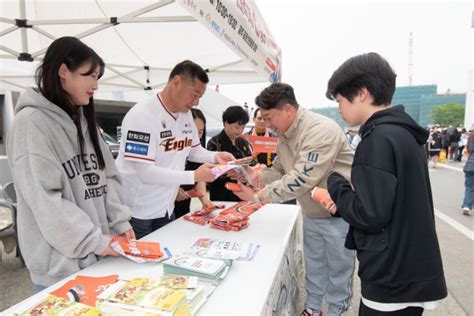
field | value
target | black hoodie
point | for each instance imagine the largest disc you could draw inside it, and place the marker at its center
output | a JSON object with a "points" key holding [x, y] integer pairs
{"points": [[390, 211]]}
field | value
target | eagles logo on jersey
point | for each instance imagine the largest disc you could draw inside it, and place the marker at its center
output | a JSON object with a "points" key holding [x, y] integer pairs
{"points": [[172, 144]]}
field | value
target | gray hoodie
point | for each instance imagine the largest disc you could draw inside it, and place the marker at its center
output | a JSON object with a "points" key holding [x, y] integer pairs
{"points": [[67, 206]]}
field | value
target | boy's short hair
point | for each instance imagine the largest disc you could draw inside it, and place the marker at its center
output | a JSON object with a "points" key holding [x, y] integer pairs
{"points": [[275, 96], [369, 70], [235, 113]]}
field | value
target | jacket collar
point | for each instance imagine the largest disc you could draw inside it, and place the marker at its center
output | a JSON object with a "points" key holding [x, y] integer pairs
{"points": [[292, 130]]}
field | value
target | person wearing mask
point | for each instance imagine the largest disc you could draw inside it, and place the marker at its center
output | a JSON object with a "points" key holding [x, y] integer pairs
{"points": [[229, 140], [182, 205], [70, 198], [159, 136]]}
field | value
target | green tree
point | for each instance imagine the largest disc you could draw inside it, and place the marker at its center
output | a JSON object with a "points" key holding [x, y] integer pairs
{"points": [[449, 114]]}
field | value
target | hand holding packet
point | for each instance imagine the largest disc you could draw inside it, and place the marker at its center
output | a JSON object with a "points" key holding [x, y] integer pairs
{"points": [[322, 196]]}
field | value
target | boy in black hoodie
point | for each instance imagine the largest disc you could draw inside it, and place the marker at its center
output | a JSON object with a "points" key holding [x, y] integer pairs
{"points": [[390, 206]]}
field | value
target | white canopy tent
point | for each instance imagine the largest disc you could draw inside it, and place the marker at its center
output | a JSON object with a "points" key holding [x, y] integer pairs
{"points": [[141, 40]]}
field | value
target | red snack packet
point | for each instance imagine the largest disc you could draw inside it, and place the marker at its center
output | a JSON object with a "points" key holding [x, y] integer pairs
{"points": [[143, 249], [244, 207], [233, 227], [243, 161], [207, 210], [229, 218], [201, 220]]}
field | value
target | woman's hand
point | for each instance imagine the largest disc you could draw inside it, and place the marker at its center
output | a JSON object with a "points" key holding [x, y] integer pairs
{"points": [[129, 234]]}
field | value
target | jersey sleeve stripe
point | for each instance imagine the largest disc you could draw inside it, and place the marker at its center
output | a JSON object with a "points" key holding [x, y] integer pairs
{"points": [[141, 158]]}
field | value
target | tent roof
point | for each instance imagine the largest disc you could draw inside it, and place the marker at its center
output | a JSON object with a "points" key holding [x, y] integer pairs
{"points": [[151, 37]]}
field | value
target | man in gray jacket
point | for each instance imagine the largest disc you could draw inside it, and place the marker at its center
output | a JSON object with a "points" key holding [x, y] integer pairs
{"points": [[310, 147]]}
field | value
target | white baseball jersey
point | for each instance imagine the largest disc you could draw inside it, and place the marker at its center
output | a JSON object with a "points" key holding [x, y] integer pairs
{"points": [[151, 134]]}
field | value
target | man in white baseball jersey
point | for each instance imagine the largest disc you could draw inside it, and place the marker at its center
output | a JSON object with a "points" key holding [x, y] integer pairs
{"points": [[159, 135]]}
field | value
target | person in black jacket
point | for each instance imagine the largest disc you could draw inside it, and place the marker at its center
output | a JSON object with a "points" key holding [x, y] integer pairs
{"points": [[229, 140], [389, 206], [435, 144]]}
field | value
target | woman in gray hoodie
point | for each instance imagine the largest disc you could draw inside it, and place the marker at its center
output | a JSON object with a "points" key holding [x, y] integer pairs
{"points": [[69, 193]]}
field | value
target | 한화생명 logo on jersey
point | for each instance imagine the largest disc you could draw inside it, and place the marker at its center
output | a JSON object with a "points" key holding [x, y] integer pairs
{"points": [[138, 137], [136, 149]]}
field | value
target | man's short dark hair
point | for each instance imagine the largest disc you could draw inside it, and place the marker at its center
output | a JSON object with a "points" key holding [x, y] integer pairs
{"points": [[189, 71], [276, 96], [369, 70], [235, 113]]}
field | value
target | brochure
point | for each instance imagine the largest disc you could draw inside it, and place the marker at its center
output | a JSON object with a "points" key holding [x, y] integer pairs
{"points": [[225, 249], [208, 270], [57, 306], [141, 295], [188, 263], [179, 282]]}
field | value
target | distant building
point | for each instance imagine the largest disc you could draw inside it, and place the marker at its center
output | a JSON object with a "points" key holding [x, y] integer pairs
{"points": [[419, 101]]}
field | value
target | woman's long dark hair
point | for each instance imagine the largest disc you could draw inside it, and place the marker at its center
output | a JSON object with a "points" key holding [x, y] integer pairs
{"points": [[73, 53], [198, 114]]}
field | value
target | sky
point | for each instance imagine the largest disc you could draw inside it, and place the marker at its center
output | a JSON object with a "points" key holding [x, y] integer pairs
{"points": [[316, 37]]}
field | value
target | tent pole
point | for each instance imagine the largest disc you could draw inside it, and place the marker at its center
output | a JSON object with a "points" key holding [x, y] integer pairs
{"points": [[103, 80], [8, 50], [8, 21], [24, 37], [149, 8], [9, 30], [43, 32], [146, 19], [125, 76], [225, 65], [11, 83]]}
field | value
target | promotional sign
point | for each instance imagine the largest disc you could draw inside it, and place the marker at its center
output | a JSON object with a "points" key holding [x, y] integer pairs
{"points": [[262, 144], [240, 26]]}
